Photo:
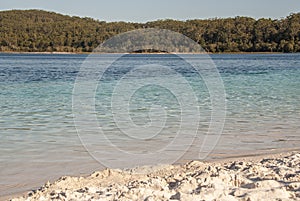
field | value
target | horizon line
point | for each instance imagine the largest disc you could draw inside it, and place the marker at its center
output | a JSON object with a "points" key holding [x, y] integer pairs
{"points": [[142, 22]]}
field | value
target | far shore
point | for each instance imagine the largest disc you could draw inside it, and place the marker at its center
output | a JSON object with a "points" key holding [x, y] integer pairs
{"points": [[86, 53]]}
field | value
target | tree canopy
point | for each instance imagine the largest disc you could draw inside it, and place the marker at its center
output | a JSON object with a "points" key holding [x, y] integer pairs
{"points": [[42, 31]]}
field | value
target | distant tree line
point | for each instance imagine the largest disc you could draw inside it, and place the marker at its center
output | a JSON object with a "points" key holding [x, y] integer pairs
{"points": [[42, 31]]}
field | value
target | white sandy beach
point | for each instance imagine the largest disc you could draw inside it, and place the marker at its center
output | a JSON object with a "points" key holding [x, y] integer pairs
{"points": [[273, 177]]}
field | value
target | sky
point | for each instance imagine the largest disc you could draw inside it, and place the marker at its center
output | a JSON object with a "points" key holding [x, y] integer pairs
{"points": [[149, 10]]}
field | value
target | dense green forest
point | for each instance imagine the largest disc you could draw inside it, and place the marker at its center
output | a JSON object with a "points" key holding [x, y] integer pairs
{"points": [[40, 31]]}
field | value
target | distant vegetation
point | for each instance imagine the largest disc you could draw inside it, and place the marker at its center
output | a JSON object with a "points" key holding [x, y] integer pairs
{"points": [[40, 31]]}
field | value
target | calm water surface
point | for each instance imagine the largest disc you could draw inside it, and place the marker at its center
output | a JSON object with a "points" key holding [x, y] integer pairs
{"points": [[38, 138]]}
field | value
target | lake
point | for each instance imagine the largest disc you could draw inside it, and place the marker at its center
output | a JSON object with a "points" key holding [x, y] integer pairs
{"points": [[48, 130]]}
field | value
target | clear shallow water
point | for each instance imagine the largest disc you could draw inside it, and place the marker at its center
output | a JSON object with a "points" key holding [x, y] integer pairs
{"points": [[38, 138]]}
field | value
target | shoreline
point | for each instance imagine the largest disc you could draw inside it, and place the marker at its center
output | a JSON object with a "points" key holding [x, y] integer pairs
{"points": [[87, 53], [118, 180]]}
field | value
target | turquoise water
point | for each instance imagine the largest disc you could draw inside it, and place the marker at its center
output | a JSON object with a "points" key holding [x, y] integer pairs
{"points": [[38, 137]]}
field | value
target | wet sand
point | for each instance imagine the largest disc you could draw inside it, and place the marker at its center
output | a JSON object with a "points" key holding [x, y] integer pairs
{"points": [[271, 177]]}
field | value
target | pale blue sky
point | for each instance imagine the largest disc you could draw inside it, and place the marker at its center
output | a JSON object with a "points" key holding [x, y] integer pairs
{"points": [[148, 10]]}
